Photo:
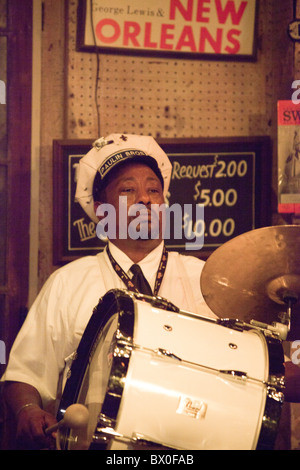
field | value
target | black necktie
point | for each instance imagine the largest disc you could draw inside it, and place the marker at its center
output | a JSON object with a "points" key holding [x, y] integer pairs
{"points": [[140, 281]]}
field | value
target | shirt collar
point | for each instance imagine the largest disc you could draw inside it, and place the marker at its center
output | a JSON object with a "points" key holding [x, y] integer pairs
{"points": [[149, 264]]}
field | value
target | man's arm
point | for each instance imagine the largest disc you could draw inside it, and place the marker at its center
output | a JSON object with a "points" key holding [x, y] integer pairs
{"points": [[26, 405]]}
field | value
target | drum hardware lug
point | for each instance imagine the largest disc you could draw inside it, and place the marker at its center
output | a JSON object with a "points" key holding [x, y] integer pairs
{"points": [[235, 374], [107, 433], [164, 304], [122, 351], [276, 382], [105, 421], [155, 301], [276, 330], [142, 440], [165, 352], [232, 324], [275, 394], [126, 340]]}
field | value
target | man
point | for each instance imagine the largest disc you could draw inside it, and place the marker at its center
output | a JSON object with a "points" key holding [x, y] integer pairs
{"points": [[118, 166]]}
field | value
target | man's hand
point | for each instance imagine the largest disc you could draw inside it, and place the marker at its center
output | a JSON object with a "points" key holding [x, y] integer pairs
{"points": [[26, 405], [32, 422]]}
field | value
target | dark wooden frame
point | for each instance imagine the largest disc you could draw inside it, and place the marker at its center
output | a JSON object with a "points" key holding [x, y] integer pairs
{"points": [[18, 163], [82, 23], [260, 146]]}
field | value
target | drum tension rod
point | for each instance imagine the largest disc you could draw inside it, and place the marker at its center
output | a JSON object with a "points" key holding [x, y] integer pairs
{"points": [[235, 374]]}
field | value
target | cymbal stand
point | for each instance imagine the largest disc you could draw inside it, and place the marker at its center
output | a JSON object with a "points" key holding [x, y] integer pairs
{"points": [[283, 327]]}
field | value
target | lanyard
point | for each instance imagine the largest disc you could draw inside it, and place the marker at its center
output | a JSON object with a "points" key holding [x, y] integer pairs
{"points": [[125, 278]]}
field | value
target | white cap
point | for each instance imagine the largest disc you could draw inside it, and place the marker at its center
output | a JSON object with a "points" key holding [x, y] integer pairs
{"points": [[109, 152]]}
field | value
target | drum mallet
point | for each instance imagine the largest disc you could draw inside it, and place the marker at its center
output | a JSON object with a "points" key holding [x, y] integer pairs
{"points": [[76, 416]]}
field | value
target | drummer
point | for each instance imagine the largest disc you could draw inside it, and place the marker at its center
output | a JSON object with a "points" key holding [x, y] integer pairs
{"points": [[134, 167]]}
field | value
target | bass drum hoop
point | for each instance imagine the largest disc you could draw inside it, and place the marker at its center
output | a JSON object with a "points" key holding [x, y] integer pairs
{"points": [[274, 395]]}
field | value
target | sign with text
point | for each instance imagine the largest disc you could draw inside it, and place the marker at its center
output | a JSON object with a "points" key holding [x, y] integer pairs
{"points": [[224, 183], [288, 115], [173, 27], [228, 178]]}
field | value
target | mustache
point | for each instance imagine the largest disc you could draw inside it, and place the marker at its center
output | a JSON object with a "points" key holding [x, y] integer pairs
{"points": [[142, 210]]}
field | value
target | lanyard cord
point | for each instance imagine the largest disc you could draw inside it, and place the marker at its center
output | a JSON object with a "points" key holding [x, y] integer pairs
{"points": [[125, 278]]}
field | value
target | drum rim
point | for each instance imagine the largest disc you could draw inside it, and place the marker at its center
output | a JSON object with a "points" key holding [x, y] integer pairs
{"points": [[274, 395]]}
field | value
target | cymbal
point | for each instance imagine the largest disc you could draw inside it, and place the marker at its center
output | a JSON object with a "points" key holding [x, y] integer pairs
{"points": [[248, 277]]}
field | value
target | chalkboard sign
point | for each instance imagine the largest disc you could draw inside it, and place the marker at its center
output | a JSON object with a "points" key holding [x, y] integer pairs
{"points": [[229, 178]]}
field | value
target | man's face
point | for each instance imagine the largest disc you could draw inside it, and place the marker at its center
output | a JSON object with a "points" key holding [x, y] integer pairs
{"points": [[140, 185]]}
